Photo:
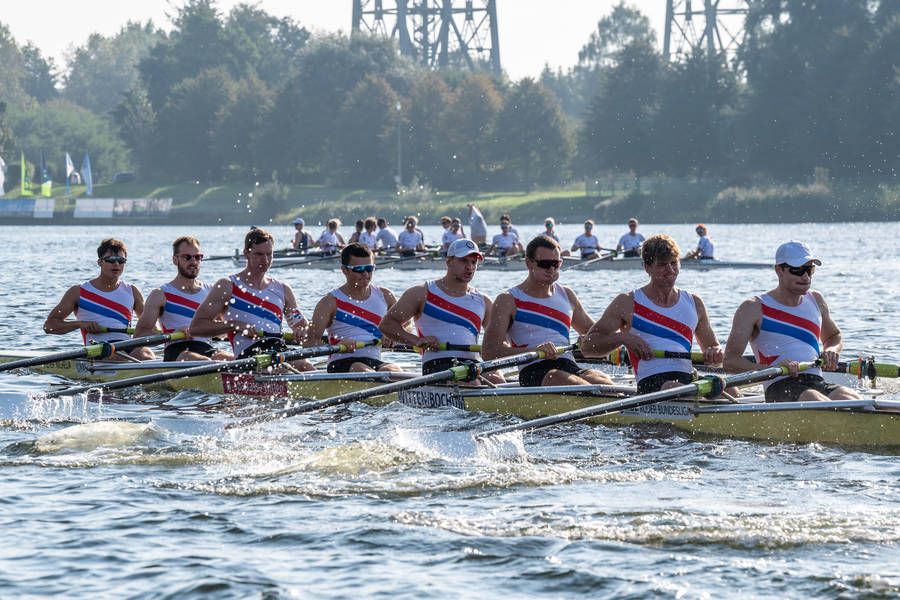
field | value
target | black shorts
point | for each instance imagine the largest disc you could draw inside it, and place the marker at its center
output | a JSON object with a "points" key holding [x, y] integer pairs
{"points": [[590, 256], [790, 388], [174, 349], [263, 346], [707, 258], [442, 364], [654, 383], [533, 374], [342, 365], [632, 253], [407, 252]]}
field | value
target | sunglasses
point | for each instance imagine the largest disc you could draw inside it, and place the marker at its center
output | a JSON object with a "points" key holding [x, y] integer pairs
{"points": [[799, 271], [360, 268], [548, 264], [115, 260], [187, 257]]}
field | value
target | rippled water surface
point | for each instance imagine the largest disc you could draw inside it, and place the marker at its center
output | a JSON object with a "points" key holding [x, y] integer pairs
{"points": [[341, 504]]}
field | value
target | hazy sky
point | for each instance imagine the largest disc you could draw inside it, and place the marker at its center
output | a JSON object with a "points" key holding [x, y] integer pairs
{"points": [[532, 32]]}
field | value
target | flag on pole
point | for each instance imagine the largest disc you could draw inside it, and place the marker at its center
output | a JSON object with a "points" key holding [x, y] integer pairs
{"points": [[46, 182], [26, 181], [86, 176], [2, 175], [70, 168]]}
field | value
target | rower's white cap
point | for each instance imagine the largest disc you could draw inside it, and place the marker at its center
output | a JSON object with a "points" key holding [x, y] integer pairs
{"points": [[462, 248], [299, 221], [796, 254]]}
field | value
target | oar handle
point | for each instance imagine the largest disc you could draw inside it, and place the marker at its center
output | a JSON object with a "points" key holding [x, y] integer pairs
{"points": [[442, 347]]}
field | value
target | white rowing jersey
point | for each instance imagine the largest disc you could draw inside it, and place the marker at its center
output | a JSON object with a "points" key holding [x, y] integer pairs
{"points": [[451, 236], [410, 240], [541, 320], [505, 241], [328, 241], [706, 247], [631, 241], [259, 309], [452, 320], [587, 244], [112, 310], [663, 328], [369, 240], [179, 309], [788, 332], [477, 224], [357, 320], [387, 237]]}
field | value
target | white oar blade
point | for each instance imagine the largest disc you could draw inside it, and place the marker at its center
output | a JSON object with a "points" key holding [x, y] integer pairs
{"points": [[89, 436], [461, 445]]}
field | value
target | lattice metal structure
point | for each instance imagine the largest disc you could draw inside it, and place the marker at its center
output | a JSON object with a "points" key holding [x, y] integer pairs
{"points": [[717, 26], [436, 33]]}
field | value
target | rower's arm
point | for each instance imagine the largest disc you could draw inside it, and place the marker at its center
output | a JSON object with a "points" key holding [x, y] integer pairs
{"points": [[581, 320], [407, 307], [138, 301], [500, 317], [832, 341], [207, 321], [323, 316], [298, 325], [745, 323], [611, 330], [153, 310], [56, 323], [713, 353]]}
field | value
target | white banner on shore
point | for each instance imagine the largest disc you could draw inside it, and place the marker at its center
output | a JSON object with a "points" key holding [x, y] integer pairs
{"points": [[94, 208], [44, 207]]}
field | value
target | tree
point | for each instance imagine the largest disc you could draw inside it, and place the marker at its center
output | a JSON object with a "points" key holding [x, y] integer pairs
{"points": [[365, 134], [234, 141], [39, 79], [7, 139], [533, 138], [103, 70], [470, 125], [136, 121], [425, 154], [266, 46], [12, 70]]}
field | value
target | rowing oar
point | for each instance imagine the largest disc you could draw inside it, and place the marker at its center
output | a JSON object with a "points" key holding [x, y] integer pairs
{"points": [[442, 347], [458, 373], [584, 263], [260, 361], [100, 350]]}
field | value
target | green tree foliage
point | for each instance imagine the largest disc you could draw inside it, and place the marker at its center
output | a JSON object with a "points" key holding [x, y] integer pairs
{"points": [[235, 131], [470, 128], [533, 140], [263, 45], [58, 126], [103, 69], [136, 121], [39, 80], [12, 71], [425, 153], [365, 134], [619, 131], [7, 139]]}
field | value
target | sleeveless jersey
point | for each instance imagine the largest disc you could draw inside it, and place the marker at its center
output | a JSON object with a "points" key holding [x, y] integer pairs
{"points": [[328, 242], [663, 328], [451, 319], [357, 320], [109, 309], [791, 332], [260, 309], [539, 320], [180, 307], [368, 240]]}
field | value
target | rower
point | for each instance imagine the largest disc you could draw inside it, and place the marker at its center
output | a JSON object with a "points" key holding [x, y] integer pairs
{"points": [[505, 218], [587, 242], [104, 302], [506, 243], [387, 237], [358, 229], [705, 246], [477, 226], [302, 240], [631, 242], [550, 229], [657, 316], [538, 314], [173, 305], [331, 240], [368, 238], [445, 222], [249, 306], [784, 327], [411, 240], [446, 310], [453, 233], [352, 313]]}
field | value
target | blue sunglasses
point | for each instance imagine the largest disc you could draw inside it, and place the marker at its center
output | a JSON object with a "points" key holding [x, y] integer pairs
{"points": [[360, 268]]}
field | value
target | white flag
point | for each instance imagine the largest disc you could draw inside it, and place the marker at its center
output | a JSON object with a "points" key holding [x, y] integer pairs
{"points": [[2, 175], [70, 166]]}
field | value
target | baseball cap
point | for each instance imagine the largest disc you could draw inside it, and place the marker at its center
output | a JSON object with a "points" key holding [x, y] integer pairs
{"points": [[299, 221], [462, 248], [795, 254]]}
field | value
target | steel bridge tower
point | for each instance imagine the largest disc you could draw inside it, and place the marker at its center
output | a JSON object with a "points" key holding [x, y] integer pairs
{"points": [[717, 26], [436, 33]]}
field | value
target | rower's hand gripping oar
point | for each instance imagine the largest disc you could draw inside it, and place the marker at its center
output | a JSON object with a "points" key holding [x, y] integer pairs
{"points": [[458, 373], [260, 361], [98, 351]]}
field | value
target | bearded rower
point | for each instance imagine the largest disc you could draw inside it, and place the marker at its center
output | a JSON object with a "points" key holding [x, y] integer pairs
{"points": [[538, 314], [352, 313], [103, 306], [657, 316], [446, 310], [249, 306], [174, 303], [785, 326]]}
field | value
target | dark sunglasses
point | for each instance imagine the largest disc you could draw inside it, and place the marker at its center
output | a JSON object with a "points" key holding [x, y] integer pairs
{"points": [[197, 257], [799, 271], [548, 264], [360, 268], [115, 260]]}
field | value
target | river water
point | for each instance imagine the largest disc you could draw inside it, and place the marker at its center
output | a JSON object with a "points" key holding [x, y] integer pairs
{"points": [[337, 505]]}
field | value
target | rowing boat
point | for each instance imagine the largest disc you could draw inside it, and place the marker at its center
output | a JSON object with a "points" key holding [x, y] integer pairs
{"points": [[512, 264], [865, 423]]}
